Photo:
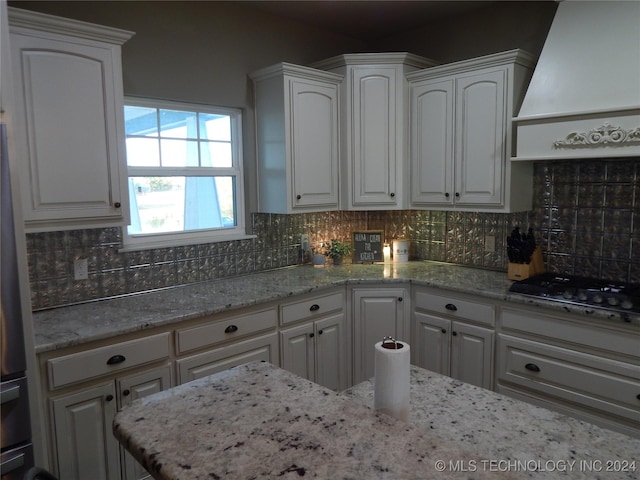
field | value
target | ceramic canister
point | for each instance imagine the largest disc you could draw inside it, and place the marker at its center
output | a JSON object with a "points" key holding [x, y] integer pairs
{"points": [[400, 250]]}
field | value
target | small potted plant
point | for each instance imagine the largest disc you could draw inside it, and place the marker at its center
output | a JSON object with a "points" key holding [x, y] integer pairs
{"points": [[336, 250]]}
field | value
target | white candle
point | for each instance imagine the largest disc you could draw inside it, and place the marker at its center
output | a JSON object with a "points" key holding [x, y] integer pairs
{"points": [[386, 252]]}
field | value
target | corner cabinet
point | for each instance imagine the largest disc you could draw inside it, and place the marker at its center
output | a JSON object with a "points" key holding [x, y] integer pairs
{"points": [[297, 138], [461, 135], [378, 312], [374, 117], [69, 124]]}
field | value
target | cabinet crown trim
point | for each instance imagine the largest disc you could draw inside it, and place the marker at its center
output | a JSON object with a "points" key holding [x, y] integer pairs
{"points": [[517, 56], [285, 68], [403, 58], [65, 26]]}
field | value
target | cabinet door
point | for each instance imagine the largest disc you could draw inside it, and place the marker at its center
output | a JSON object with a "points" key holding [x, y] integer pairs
{"points": [[264, 348], [69, 129], [314, 144], [86, 447], [297, 350], [432, 126], [378, 313], [431, 343], [472, 354], [332, 362], [374, 136], [131, 388], [480, 138]]}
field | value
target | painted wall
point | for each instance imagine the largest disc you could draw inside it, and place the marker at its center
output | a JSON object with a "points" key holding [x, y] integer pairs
{"points": [[503, 26]]}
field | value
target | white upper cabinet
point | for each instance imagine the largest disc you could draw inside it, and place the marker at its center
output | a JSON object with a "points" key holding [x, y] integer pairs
{"points": [[68, 121], [297, 139], [461, 135], [374, 116]]}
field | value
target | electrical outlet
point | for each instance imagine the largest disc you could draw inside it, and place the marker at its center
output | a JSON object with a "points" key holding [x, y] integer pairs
{"points": [[489, 243], [304, 243], [80, 269]]}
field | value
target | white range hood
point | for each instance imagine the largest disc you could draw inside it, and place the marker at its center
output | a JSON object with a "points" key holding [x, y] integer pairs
{"points": [[583, 100]]}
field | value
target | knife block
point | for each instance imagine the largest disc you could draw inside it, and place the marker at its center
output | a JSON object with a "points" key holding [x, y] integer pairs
{"points": [[520, 271]]}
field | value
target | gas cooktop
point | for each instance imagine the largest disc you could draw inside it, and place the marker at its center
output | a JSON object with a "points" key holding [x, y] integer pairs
{"points": [[602, 294]]}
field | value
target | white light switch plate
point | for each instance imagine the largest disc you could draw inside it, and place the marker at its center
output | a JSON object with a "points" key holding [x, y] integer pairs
{"points": [[304, 243], [80, 269]]}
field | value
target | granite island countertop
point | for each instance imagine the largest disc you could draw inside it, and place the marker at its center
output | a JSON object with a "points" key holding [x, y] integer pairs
{"points": [[73, 325], [258, 421], [509, 433]]}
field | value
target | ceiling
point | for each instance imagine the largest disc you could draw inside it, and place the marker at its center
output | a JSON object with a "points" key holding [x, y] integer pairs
{"points": [[367, 19]]}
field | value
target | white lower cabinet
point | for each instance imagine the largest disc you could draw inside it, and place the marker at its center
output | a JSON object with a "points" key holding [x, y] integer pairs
{"points": [[220, 342], [315, 341], [377, 313], [446, 342], [264, 348], [582, 369], [453, 348], [81, 425], [131, 388], [317, 351]]}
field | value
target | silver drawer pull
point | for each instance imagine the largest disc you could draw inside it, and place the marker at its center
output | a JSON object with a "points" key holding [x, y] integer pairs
{"points": [[231, 329]]}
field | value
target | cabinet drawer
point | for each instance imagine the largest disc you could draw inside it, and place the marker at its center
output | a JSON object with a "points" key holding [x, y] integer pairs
{"points": [[216, 332], [81, 366], [306, 309], [263, 348], [625, 343], [455, 307], [599, 383]]}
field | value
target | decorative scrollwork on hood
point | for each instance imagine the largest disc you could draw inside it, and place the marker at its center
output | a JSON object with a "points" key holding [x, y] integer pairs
{"points": [[606, 135]]}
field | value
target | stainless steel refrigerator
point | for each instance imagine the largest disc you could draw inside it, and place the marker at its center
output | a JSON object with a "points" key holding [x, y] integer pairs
{"points": [[16, 455]]}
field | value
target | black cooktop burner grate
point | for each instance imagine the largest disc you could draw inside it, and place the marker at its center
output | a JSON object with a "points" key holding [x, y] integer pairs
{"points": [[592, 292]]}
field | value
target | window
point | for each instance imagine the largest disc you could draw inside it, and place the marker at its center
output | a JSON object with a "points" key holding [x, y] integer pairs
{"points": [[184, 167]]}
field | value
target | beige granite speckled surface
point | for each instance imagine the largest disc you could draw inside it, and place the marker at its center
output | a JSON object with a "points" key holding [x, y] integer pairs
{"points": [[62, 327], [498, 428], [258, 421]]}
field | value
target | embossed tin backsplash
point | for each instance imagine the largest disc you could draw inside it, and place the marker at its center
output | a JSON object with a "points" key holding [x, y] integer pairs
{"points": [[586, 215]]}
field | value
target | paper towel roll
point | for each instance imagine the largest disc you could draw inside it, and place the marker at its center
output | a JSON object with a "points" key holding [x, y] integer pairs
{"points": [[391, 380]]}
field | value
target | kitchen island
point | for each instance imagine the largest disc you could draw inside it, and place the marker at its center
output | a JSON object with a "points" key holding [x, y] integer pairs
{"points": [[258, 421]]}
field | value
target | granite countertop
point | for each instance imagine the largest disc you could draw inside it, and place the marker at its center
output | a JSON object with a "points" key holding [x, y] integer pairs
{"points": [[258, 421], [498, 428], [73, 325]]}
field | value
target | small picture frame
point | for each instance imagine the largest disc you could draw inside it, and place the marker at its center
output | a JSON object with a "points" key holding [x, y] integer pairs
{"points": [[367, 246]]}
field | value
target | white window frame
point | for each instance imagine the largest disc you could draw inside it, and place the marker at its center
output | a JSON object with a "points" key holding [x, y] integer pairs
{"points": [[169, 239]]}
